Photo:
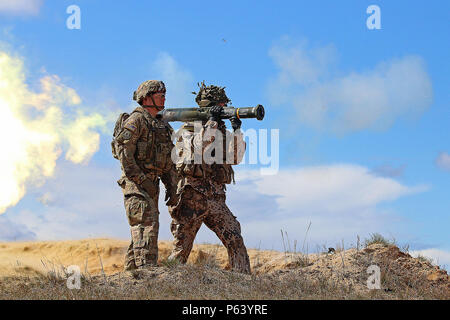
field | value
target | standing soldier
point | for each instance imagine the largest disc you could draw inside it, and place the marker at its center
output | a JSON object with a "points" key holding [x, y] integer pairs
{"points": [[143, 145], [201, 189]]}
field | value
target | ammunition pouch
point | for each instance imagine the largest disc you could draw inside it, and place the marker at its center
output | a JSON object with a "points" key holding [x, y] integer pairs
{"points": [[190, 169], [141, 150], [162, 155], [222, 173]]}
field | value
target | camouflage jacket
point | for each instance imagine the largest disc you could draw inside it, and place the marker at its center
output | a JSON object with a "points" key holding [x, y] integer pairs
{"points": [[197, 163], [145, 146]]}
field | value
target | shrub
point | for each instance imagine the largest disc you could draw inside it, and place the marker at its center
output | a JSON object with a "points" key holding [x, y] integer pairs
{"points": [[378, 238]]}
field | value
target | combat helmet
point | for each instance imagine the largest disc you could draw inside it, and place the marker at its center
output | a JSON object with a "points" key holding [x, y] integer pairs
{"points": [[210, 95], [148, 87]]}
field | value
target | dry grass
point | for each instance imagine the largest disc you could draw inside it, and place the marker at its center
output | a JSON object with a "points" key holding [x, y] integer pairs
{"points": [[204, 282], [376, 238], [276, 275]]}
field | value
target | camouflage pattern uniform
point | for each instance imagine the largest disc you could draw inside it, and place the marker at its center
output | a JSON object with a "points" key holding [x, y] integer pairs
{"points": [[144, 147], [201, 190]]}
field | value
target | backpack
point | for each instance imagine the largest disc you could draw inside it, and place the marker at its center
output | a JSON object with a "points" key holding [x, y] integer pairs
{"points": [[117, 129]]}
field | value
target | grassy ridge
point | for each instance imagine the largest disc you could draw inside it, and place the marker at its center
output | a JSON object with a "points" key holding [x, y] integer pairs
{"points": [[338, 274]]}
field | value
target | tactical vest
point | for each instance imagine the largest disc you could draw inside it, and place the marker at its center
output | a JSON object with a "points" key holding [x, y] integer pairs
{"points": [[218, 173], [154, 147]]}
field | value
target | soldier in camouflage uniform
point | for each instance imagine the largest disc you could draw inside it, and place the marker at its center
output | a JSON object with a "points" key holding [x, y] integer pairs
{"points": [[144, 145], [201, 188]]}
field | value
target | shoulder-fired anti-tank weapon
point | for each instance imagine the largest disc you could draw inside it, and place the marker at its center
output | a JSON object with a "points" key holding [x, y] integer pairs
{"points": [[203, 113]]}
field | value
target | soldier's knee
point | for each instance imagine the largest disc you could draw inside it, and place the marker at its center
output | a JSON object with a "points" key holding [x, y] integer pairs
{"points": [[235, 236], [236, 226], [152, 226], [140, 210], [236, 245], [177, 230]]}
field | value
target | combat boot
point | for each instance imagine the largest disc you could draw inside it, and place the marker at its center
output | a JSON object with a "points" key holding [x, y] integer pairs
{"points": [[129, 267]]}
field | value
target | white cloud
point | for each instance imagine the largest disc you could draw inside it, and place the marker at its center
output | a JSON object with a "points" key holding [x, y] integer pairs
{"points": [[344, 187], [340, 201], [372, 99], [79, 202], [387, 170], [299, 65], [20, 7], [10, 231], [438, 256], [443, 161], [179, 81]]}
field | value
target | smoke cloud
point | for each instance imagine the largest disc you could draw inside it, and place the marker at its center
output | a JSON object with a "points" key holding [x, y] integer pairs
{"points": [[37, 127]]}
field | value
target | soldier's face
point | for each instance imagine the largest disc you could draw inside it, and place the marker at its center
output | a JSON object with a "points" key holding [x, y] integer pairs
{"points": [[160, 98]]}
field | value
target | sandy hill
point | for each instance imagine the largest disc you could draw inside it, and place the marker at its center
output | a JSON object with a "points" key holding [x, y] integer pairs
{"points": [[276, 275], [92, 254]]}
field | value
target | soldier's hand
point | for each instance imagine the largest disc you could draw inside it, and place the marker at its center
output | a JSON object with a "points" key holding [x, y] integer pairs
{"points": [[172, 201], [215, 113], [171, 197], [235, 123], [149, 187]]}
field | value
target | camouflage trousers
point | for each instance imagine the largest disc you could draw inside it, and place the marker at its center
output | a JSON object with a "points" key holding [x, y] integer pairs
{"points": [[193, 209], [143, 217]]}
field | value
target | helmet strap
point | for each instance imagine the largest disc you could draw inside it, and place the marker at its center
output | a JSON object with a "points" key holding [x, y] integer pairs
{"points": [[151, 97], [159, 108]]}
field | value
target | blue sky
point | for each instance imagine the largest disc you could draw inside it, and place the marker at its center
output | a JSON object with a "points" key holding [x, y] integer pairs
{"points": [[369, 107]]}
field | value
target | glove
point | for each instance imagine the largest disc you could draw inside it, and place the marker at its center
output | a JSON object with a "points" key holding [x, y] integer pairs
{"points": [[171, 198], [235, 123], [149, 187], [215, 113]]}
